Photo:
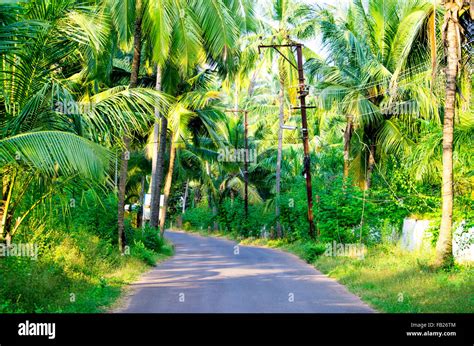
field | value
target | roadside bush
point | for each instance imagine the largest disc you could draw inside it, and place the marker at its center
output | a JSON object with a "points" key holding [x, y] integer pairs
{"points": [[89, 213], [198, 218], [78, 267], [311, 250], [231, 218], [294, 212], [140, 251], [341, 211], [337, 211], [148, 236]]}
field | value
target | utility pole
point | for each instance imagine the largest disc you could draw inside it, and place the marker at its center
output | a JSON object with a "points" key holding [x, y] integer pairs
{"points": [[303, 92], [246, 160]]}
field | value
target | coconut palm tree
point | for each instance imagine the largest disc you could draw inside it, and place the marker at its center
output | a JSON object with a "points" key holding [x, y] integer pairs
{"points": [[137, 50], [452, 37], [190, 116], [48, 109], [216, 44], [375, 61]]}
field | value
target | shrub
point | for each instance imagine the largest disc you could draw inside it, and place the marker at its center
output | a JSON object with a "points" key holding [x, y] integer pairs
{"points": [[149, 236], [75, 257], [198, 218], [140, 251], [312, 250]]}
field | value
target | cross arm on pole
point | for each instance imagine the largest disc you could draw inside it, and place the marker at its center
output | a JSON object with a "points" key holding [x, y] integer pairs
{"points": [[276, 46], [236, 111], [306, 107]]}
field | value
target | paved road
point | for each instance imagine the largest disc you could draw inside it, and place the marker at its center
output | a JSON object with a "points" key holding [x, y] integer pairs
{"points": [[205, 276]]}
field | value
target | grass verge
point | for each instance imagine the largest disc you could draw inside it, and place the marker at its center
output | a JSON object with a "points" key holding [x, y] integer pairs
{"points": [[387, 278], [395, 281], [75, 273]]}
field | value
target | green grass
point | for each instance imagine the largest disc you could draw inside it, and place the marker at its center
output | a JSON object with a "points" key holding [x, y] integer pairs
{"points": [[395, 281], [389, 279], [77, 273]]}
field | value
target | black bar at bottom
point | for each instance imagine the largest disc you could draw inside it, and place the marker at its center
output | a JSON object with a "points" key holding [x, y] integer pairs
{"points": [[290, 329]]}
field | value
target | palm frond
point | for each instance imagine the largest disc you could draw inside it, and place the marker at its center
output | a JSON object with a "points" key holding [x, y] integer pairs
{"points": [[56, 153]]}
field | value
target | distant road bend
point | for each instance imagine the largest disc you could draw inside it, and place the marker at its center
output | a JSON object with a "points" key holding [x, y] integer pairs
{"points": [[212, 275]]}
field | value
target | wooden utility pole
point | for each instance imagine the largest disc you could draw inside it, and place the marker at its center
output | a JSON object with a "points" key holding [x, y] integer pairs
{"points": [[303, 92]]}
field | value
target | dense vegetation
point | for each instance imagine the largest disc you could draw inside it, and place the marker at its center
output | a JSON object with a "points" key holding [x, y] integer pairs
{"points": [[103, 101], [77, 267], [376, 134]]}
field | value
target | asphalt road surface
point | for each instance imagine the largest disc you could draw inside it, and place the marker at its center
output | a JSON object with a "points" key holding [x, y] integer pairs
{"points": [[211, 275]]}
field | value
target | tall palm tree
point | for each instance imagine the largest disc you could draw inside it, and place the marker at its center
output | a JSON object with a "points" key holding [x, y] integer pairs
{"points": [[137, 50], [375, 59], [452, 37], [158, 152], [149, 22], [204, 31], [190, 115], [282, 12], [48, 110]]}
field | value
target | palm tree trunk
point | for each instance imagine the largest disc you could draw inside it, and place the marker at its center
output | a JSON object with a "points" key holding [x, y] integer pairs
{"points": [[371, 165], [137, 47], [209, 198], [159, 147], [444, 243], [211, 202], [279, 156], [213, 208], [6, 214], [154, 219], [347, 145], [167, 188], [137, 44], [141, 202], [214, 214], [121, 194], [186, 190]]}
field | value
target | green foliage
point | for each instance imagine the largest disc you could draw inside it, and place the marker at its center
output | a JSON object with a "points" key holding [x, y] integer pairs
{"points": [[148, 237], [231, 218], [78, 268], [310, 251], [339, 208], [143, 253], [198, 218], [343, 212], [395, 281], [293, 211], [100, 216]]}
